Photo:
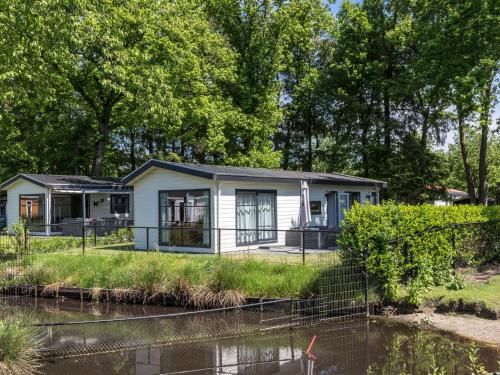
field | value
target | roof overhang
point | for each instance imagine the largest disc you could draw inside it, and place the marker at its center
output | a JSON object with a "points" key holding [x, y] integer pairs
{"points": [[66, 187], [129, 179], [153, 163], [18, 177], [92, 190]]}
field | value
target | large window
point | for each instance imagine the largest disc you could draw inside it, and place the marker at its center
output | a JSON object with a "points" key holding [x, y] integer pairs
{"points": [[32, 209], [255, 217], [120, 203], [185, 218]]}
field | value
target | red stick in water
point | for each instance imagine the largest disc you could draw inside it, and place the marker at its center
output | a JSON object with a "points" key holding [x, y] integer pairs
{"points": [[311, 344]]}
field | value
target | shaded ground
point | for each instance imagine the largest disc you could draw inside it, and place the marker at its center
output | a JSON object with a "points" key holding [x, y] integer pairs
{"points": [[471, 327], [483, 275], [480, 287]]}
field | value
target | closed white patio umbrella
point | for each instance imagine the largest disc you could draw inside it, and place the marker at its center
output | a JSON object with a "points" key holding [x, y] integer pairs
{"points": [[305, 208]]}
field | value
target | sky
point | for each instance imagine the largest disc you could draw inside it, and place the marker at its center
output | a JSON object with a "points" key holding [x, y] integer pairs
{"points": [[449, 139]]}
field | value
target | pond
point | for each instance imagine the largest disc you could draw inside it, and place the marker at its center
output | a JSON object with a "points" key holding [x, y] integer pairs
{"points": [[351, 347]]}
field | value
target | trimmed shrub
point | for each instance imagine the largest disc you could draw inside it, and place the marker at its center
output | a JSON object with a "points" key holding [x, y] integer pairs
{"points": [[416, 246]]}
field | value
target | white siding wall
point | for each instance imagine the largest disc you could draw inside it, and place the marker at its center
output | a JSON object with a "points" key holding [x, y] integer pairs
{"points": [[146, 203], [22, 187], [103, 208], [223, 197]]}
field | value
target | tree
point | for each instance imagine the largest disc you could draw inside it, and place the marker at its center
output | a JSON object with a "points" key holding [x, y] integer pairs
{"points": [[466, 52], [152, 60], [472, 137]]}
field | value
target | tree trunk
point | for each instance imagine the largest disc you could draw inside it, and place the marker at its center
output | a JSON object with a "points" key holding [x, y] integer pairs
{"points": [[387, 121], [102, 142], [286, 148], [364, 150], [484, 121], [465, 157], [132, 150], [309, 158]]}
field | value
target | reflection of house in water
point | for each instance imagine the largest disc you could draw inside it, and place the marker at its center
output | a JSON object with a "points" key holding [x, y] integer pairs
{"points": [[218, 359], [339, 351]]}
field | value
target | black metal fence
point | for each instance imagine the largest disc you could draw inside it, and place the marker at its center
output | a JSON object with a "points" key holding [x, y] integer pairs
{"points": [[340, 290]]}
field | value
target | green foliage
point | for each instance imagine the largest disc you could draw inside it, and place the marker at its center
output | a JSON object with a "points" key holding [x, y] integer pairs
{"points": [[158, 272], [456, 178], [401, 250], [100, 86], [18, 348], [456, 282]]}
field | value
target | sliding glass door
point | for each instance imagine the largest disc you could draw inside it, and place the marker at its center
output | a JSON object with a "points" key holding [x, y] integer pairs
{"points": [[255, 217], [338, 204], [185, 218]]}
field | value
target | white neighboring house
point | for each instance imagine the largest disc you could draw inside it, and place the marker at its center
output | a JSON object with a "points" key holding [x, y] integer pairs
{"points": [[450, 197], [188, 206], [48, 201]]}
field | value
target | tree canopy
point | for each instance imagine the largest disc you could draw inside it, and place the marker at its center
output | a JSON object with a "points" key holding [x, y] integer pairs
{"points": [[100, 86]]}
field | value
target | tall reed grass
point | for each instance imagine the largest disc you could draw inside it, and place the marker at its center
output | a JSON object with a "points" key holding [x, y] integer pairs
{"points": [[18, 349], [192, 279]]}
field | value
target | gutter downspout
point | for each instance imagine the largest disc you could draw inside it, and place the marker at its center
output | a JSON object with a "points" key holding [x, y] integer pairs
{"points": [[84, 202], [218, 184], [48, 219]]}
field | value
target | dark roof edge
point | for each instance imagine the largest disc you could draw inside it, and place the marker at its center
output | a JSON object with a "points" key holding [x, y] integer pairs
{"points": [[165, 165], [223, 177], [227, 177], [19, 177]]}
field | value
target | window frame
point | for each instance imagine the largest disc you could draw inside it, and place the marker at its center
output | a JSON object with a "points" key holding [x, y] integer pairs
{"points": [[209, 206], [258, 241], [114, 212], [42, 196]]}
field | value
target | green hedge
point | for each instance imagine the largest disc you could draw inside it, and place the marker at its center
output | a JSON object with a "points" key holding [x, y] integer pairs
{"points": [[15, 243], [406, 245]]}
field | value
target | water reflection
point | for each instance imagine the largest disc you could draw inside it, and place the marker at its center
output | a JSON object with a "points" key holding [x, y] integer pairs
{"points": [[352, 347], [60, 310], [347, 348]]}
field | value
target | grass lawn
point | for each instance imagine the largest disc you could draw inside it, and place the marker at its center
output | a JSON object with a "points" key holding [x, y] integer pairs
{"points": [[487, 292], [255, 276]]}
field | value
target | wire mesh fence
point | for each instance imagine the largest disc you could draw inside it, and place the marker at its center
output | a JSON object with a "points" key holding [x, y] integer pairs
{"points": [[338, 290], [340, 348]]}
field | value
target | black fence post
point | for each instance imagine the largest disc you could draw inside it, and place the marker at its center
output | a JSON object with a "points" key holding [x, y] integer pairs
{"points": [[367, 303], [303, 244], [95, 234], [147, 239], [25, 235], [218, 242], [83, 238]]}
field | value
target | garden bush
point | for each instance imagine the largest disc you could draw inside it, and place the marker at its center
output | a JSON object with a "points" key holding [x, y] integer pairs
{"points": [[417, 246]]}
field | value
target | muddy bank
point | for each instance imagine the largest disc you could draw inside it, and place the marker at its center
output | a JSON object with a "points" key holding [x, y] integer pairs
{"points": [[471, 327]]}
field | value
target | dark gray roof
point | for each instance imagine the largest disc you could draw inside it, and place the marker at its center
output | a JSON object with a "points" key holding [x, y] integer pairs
{"points": [[65, 181], [251, 174]]}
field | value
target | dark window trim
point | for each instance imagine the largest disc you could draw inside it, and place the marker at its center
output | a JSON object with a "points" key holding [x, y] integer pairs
{"points": [[44, 207], [111, 203], [209, 190], [320, 204], [257, 191]]}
